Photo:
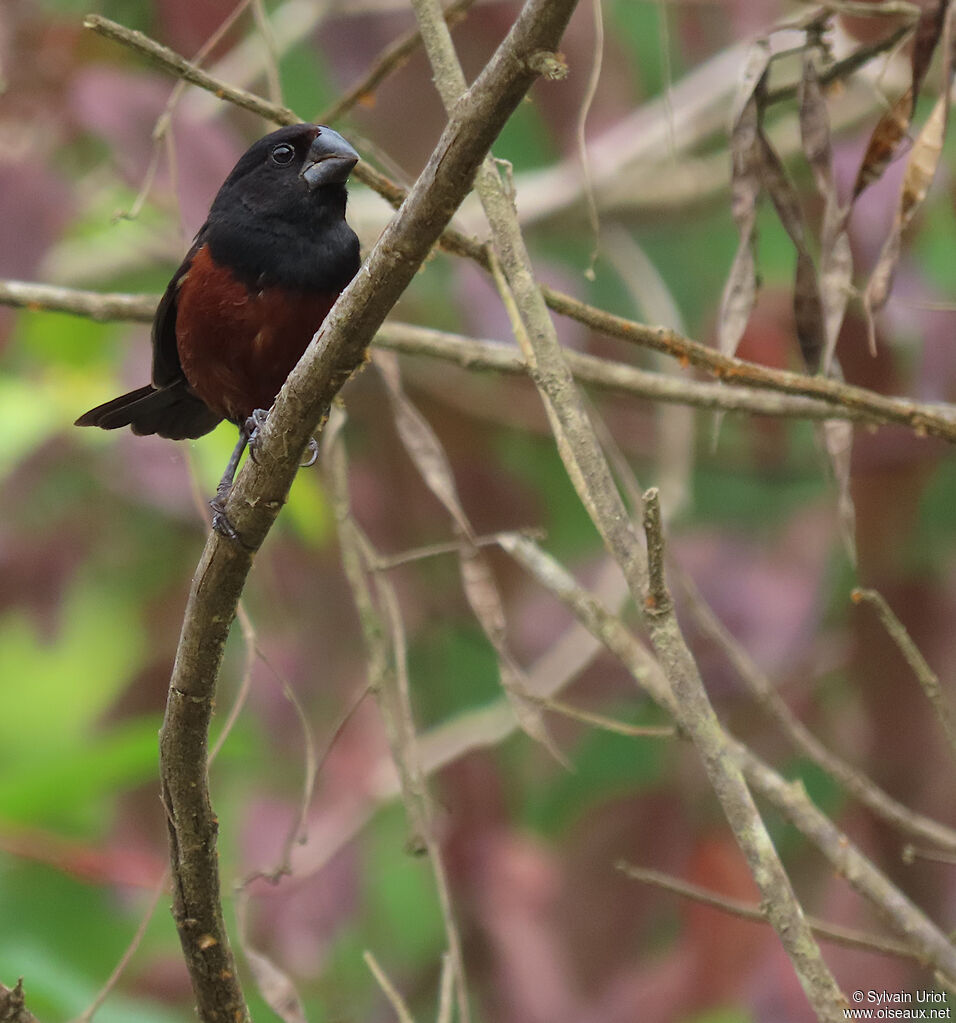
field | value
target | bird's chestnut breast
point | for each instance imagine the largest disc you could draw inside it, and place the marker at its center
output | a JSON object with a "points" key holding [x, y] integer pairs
{"points": [[237, 344]]}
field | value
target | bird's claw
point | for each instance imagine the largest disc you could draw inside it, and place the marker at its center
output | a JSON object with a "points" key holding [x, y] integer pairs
{"points": [[312, 454], [251, 428], [220, 521]]}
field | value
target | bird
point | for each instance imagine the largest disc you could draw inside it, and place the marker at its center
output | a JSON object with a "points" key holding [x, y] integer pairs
{"points": [[261, 275]]}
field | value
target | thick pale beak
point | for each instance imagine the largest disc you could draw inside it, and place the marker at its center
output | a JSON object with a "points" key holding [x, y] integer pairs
{"points": [[330, 160]]}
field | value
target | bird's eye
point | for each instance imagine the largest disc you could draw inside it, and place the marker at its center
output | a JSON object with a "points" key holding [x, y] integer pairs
{"points": [[283, 154]]}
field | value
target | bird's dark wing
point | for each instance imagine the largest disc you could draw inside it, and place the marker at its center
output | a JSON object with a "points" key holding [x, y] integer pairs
{"points": [[172, 411], [166, 365], [168, 406]]}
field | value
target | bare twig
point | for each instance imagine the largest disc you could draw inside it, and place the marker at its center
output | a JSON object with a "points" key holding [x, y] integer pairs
{"points": [[261, 488], [474, 353], [853, 780], [845, 936], [95, 305], [606, 724], [383, 630], [161, 127], [395, 1000], [124, 960], [388, 61], [927, 678], [697, 718], [789, 798], [186, 70], [594, 222]]}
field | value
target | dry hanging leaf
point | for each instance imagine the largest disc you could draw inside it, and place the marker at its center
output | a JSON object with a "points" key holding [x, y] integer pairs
{"points": [[274, 984], [478, 582], [929, 29], [276, 988], [836, 259], [835, 279], [890, 130], [421, 443], [837, 437], [923, 161], [807, 305], [917, 178], [740, 291]]}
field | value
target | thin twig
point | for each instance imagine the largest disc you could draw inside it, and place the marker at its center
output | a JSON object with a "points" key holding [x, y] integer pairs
{"points": [[849, 65], [273, 79], [395, 1000], [394, 56], [186, 70], [697, 718], [761, 688], [101, 306], [927, 678], [845, 936], [594, 221], [790, 798], [124, 960], [588, 717], [310, 769], [475, 353], [383, 630], [160, 131]]}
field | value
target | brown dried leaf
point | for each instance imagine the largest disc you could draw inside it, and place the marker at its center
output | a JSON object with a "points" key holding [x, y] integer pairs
{"points": [[923, 161], [881, 280], [815, 126], [837, 437], [484, 599], [740, 291], [426, 451], [807, 304], [421, 443], [929, 30], [917, 178], [835, 280], [808, 311], [889, 132], [836, 259], [276, 987]]}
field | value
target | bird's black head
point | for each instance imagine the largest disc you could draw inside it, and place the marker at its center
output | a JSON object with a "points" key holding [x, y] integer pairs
{"points": [[280, 214], [285, 173]]}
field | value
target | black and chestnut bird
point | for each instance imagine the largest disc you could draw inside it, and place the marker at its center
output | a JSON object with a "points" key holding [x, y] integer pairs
{"points": [[263, 272]]}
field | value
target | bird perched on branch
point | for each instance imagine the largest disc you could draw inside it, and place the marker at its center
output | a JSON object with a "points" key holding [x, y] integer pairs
{"points": [[262, 274]]}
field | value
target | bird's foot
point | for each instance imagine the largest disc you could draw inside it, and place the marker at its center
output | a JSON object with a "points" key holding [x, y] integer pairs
{"points": [[312, 454], [220, 520], [251, 429]]}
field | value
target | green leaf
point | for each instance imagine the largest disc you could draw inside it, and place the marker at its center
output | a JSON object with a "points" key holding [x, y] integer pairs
{"points": [[62, 783], [59, 685]]}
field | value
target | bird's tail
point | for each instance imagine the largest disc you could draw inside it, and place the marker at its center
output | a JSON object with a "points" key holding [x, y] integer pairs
{"points": [[171, 411]]}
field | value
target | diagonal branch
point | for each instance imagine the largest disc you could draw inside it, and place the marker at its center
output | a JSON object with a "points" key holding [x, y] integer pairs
{"points": [[261, 489], [588, 470]]}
